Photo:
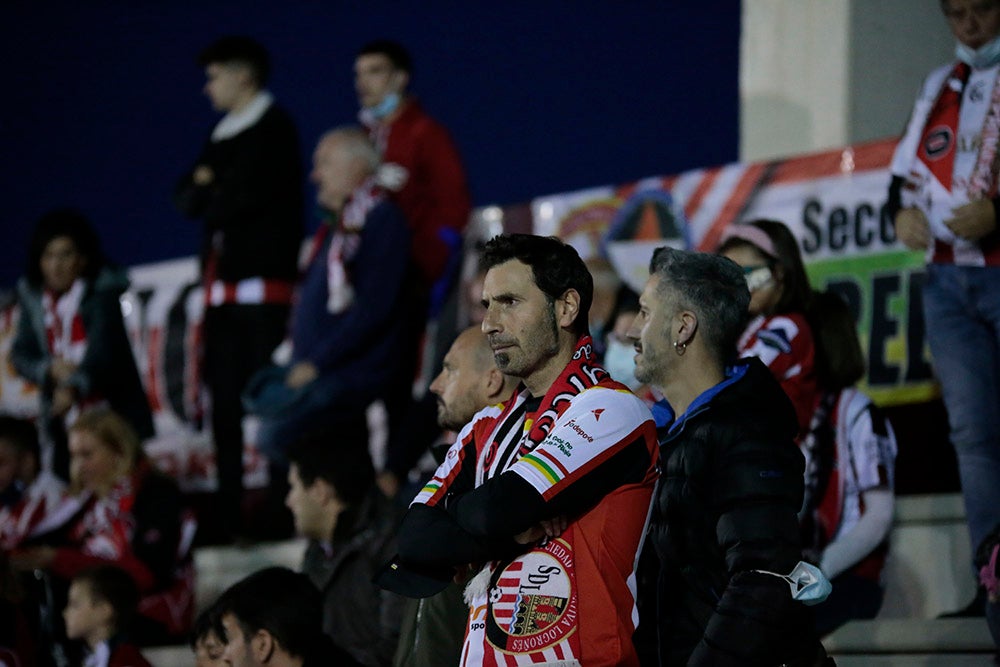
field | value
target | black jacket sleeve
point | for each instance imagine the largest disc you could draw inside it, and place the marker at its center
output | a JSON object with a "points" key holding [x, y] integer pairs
{"points": [[758, 486], [480, 525]]}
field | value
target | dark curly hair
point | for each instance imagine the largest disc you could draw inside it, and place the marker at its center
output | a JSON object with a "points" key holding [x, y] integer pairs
{"points": [[555, 266], [75, 226]]}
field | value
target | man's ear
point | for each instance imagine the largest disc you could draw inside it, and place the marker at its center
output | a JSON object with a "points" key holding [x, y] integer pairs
{"points": [[567, 308], [262, 645], [104, 612], [494, 383], [322, 490], [686, 327], [246, 76], [402, 81]]}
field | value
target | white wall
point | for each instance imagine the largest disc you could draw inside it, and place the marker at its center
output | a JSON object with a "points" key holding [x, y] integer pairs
{"points": [[894, 44], [818, 74]]}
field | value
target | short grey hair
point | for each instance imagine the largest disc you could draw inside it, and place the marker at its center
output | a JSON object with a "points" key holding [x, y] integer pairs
{"points": [[356, 143], [710, 286]]}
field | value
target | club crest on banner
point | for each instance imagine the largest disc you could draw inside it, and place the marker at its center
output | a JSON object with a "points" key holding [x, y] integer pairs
{"points": [[647, 220], [578, 218]]}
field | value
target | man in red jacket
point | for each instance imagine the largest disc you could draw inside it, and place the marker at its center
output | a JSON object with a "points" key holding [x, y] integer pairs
{"points": [[420, 163]]}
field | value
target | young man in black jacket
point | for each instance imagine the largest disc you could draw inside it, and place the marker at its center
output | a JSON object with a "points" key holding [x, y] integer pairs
{"points": [[246, 187]]}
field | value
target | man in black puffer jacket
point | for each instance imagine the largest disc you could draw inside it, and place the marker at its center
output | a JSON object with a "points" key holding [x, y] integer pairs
{"points": [[724, 519]]}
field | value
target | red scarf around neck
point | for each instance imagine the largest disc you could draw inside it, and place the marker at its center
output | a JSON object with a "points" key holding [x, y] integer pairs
{"points": [[582, 372], [938, 143]]}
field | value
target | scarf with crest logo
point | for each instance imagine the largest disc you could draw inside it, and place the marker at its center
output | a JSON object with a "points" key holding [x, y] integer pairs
{"points": [[938, 144], [517, 432]]}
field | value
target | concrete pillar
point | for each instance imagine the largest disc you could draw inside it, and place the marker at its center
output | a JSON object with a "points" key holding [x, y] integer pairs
{"points": [[818, 74]]}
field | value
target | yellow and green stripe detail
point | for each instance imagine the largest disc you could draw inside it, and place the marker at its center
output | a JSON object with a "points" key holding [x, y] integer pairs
{"points": [[548, 472]]}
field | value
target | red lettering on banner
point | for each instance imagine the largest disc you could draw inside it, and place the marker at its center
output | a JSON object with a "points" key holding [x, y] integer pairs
{"points": [[153, 388]]}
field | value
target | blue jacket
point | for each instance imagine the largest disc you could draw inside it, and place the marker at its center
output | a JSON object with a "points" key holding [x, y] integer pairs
{"points": [[363, 343]]}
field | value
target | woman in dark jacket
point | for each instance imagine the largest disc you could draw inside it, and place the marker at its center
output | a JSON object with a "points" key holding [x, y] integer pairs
{"points": [[723, 528], [71, 340]]}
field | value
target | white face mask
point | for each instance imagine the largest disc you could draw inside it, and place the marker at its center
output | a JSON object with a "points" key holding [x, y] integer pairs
{"points": [[619, 361], [807, 582], [986, 55], [757, 278]]}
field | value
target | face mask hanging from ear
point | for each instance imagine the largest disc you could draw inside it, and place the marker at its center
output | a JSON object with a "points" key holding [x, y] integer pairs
{"points": [[384, 108], [985, 56], [808, 583]]}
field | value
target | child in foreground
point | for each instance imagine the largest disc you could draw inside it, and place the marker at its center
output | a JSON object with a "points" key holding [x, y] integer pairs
{"points": [[208, 639], [100, 605]]}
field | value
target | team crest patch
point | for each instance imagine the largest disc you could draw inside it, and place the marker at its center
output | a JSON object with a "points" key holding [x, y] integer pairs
{"points": [[532, 600]]}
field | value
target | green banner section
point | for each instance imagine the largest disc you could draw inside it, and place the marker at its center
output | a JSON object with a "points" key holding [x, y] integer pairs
{"points": [[883, 290]]}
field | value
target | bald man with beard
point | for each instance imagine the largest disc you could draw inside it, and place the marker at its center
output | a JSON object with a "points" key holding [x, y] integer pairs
{"points": [[433, 628], [469, 380]]}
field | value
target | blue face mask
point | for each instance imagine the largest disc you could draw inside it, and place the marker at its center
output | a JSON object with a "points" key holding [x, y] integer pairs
{"points": [[384, 108], [808, 583], [619, 360], [986, 55]]}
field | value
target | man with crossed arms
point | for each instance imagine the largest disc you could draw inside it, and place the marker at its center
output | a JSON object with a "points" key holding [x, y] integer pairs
{"points": [[570, 453]]}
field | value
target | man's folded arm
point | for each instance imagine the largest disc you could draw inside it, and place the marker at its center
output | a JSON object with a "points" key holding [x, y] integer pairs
{"points": [[508, 505], [431, 537]]}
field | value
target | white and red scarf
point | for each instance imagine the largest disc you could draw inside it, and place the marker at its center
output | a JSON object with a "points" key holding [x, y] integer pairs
{"points": [[949, 156], [582, 372], [107, 527], [64, 330], [345, 243], [66, 337], [938, 143]]}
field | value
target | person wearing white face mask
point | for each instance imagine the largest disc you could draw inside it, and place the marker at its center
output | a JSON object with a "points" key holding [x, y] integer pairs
{"points": [[779, 331], [943, 199], [619, 356], [420, 167], [619, 351]]}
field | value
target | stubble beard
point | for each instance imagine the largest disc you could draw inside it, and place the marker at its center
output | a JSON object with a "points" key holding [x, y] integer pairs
{"points": [[642, 374], [647, 365], [503, 359], [447, 420]]}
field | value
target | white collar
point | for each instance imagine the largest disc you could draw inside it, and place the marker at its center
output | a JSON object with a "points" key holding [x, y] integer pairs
{"points": [[235, 122], [99, 657]]}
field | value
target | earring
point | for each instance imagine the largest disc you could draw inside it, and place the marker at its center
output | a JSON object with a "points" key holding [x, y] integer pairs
{"points": [[680, 348]]}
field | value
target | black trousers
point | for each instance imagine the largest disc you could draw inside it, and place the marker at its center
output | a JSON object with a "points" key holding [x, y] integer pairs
{"points": [[239, 340]]}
